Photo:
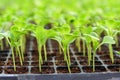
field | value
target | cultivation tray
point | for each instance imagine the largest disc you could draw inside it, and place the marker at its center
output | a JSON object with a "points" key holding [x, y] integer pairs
{"points": [[55, 67]]}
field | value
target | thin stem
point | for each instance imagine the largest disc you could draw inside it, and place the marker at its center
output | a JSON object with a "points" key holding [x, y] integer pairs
{"points": [[40, 57], [89, 53], [17, 54], [111, 52], [68, 52], [77, 42], [18, 50], [1, 43], [13, 57], [66, 58], [94, 52], [99, 49], [116, 39], [60, 50], [23, 46], [45, 53], [83, 47]]}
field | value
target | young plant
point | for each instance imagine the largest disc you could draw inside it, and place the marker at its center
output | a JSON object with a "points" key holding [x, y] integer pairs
{"points": [[106, 40], [86, 31], [110, 31], [42, 35], [65, 38], [14, 38]]}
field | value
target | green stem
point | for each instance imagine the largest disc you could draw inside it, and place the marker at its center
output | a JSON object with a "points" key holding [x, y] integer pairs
{"points": [[18, 50], [45, 53], [60, 50], [66, 58], [17, 54], [116, 39], [1, 43], [111, 52], [94, 52], [40, 57], [13, 57], [89, 53], [23, 46], [83, 47], [78, 44], [68, 53], [99, 49]]}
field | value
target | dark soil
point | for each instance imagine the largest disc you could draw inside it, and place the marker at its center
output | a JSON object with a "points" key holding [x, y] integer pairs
{"points": [[85, 63], [36, 64], [114, 68], [2, 63], [65, 70], [63, 63], [19, 70], [17, 64], [62, 58], [17, 59], [3, 55], [2, 59], [45, 70], [116, 62], [89, 69]]}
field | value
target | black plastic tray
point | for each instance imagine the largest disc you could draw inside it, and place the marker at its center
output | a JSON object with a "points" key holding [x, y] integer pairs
{"points": [[109, 75], [77, 76]]}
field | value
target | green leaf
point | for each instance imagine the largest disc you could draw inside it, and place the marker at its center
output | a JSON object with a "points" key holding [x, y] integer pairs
{"points": [[108, 40], [94, 36], [68, 38], [64, 29]]}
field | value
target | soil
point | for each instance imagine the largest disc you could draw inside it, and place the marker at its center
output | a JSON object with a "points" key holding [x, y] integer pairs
{"points": [[63, 63], [89, 69], [36, 58], [3, 55], [2, 59], [62, 58], [107, 57], [45, 70], [65, 70], [17, 59], [114, 68], [9, 63], [2, 63], [116, 62], [85, 63], [19, 70], [36, 64]]}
